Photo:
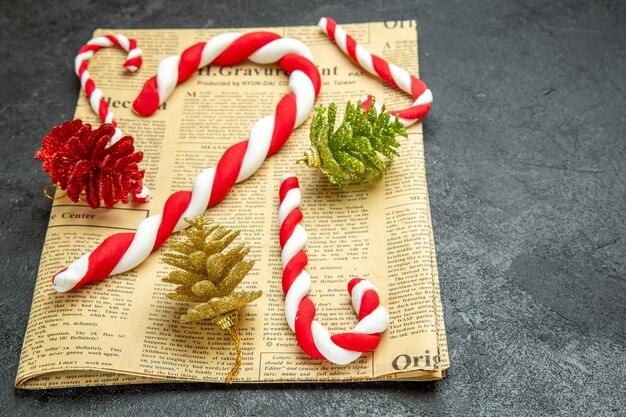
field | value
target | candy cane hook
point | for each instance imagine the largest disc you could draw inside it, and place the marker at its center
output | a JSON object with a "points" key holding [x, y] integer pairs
{"points": [[391, 73], [312, 336], [94, 94]]}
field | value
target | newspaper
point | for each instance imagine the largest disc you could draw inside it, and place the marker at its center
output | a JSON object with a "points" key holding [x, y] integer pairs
{"points": [[124, 330]]}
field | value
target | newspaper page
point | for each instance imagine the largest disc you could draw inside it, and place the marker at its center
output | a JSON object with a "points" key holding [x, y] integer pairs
{"points": [[124, 330]]}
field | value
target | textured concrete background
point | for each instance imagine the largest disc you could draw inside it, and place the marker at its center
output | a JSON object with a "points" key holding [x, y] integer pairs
{"points": [[526, 160]]}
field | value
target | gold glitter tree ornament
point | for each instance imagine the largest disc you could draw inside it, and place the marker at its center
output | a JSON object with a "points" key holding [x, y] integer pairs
{"points": [[208, 275], [353, 149]]}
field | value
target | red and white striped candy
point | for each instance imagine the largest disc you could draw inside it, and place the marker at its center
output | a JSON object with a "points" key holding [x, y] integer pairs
{"points": [[312, 336], [124, 251], [94, 94], [391, 73], [224, 49]]}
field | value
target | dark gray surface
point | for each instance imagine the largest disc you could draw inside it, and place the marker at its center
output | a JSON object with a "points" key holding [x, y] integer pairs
{"points": [[526, 161]]}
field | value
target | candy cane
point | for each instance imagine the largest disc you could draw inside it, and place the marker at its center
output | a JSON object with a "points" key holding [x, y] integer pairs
{"points": [[375, 65], [124, 251], [94, 95], [312, 336]]}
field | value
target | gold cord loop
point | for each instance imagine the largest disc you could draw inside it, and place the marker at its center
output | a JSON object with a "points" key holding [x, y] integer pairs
{"points": [[234, 371], [229, 321], [47, 193]]}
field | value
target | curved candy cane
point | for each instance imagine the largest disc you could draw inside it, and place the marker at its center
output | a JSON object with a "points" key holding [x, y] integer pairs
{"points": [[94, 94], [124, 251], [312, 336], [375, 65]]}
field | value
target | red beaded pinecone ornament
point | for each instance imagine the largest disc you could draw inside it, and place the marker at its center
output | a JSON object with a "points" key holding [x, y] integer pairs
{"points": [[78, 158]]}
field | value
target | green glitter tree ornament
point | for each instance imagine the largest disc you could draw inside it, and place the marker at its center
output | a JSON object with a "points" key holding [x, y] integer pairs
{"points": [[354, 149], [208, 274]]}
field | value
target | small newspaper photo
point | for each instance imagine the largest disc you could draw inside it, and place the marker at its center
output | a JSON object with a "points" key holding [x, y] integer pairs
{"points": [[124, 330]]}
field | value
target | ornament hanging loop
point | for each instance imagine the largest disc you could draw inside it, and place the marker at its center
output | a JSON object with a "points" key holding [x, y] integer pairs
{"points": [[229, 321], [46, 191]]}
